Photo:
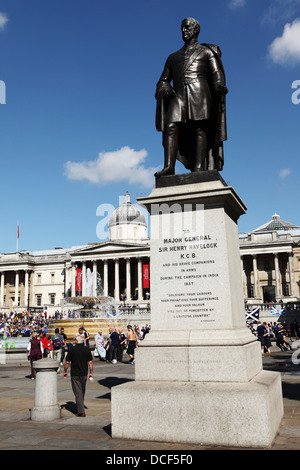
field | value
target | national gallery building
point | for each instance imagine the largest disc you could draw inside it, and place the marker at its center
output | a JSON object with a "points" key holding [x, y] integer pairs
{"points": [[120, 267]]}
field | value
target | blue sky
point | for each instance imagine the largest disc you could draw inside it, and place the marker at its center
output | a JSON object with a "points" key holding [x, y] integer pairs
{"points": [[78, 123]]}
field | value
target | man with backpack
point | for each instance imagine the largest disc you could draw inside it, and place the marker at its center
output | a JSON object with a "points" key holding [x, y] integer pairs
{"points": [[57, 342]]}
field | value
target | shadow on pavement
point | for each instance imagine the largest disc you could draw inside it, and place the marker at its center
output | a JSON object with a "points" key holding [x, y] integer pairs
{"points": [[107, 430], [70, 406], [110, 382], [291, 390]]}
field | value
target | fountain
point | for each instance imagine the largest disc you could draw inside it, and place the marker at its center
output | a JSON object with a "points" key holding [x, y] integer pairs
{"points": [[91, 312], [90, 307], [89, 282]]}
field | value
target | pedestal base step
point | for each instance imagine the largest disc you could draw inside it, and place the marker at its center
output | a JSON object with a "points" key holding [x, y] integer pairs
{"points": [[211, 413]]}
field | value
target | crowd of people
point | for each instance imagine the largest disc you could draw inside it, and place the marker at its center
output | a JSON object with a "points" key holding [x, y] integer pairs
{"points": [[14, 325], [78, 353], [112, 348], [109, 348], [273, 331]]}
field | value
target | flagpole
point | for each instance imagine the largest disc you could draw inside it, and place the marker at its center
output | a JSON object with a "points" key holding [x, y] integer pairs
{"points": [[18, 237]]}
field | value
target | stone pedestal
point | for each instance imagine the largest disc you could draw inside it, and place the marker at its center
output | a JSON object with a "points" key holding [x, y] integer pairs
{"points": [[199, 376], [46, 407]]}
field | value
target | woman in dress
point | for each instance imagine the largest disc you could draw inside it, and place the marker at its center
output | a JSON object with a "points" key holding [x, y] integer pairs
{"points": [[99, 342], [35, 352]]}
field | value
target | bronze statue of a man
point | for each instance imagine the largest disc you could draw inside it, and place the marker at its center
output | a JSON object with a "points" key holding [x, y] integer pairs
{"points": [[191, 113]]}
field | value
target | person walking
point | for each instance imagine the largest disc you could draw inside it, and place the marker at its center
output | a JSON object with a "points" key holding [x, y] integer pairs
{"points": [[281, 338], [87, 337], [113, 347], [99, 343], [35, 352], [268, 335], [132, 342], [81, 360], [121, 345], [263, 336], [57, 342], [46, 344], [82, 332], [62, 332]]}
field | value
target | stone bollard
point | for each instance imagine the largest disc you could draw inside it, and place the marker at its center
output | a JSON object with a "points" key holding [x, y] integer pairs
{"points": [[45, 401]]}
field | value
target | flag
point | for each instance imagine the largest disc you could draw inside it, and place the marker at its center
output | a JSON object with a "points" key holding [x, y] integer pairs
{"points": [[277, 311], [146, 283], [78, 280], [252, 316]]}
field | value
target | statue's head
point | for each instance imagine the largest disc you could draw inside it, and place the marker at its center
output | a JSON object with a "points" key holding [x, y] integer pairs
{"points": [[190, 29]]}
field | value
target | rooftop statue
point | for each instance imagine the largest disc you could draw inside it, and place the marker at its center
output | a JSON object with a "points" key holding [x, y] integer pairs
{"points": [[191, 113]]}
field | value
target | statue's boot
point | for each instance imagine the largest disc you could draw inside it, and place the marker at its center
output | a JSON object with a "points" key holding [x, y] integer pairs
{"points": [[201, 156], [165, 172], [171, 150]]}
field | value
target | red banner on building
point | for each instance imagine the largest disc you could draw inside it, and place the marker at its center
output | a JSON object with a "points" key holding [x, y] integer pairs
{"points": [[146, 278], [78, 280]]}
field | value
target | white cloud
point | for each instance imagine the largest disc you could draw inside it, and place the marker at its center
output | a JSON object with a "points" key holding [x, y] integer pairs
{"points": [[284, 173], [124, 164], [3, 20], [286, 48], [237, 3]]}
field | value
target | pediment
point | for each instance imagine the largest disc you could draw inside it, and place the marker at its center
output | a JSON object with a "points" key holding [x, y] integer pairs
{"points": [[109, 247]]}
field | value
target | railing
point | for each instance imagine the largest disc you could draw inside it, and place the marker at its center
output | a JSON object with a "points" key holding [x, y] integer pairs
{"points": [[279, 305], [123, 311], [135, 311]]}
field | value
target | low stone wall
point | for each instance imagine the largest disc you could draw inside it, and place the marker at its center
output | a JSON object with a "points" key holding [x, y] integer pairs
{"points": [[93, 325], [14, 351], [14, 357]]}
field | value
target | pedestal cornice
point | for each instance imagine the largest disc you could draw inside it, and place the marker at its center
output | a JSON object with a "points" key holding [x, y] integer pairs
{"points": [[211, 194]]}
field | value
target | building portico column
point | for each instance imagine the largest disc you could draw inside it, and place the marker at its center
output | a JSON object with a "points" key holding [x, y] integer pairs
{"points": [[117, 280], [73, 280], [291, 272], [128, 280], [94, 278], [140, 280], [244, 278], [16, 302], [255, 276], [26, 290], [105, 278], [2, 288], [66, 281], [277, 283], [83, 278]]}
